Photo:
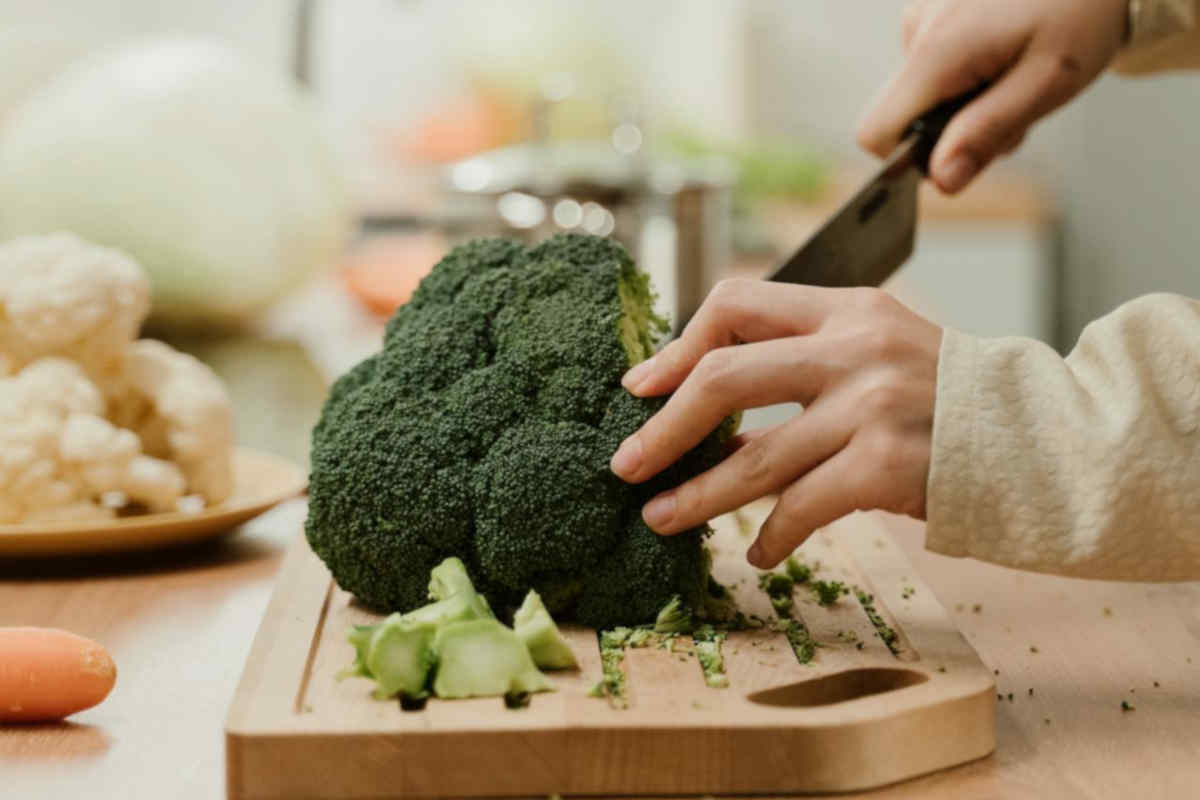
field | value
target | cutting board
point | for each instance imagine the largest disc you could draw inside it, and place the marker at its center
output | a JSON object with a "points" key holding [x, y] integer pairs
{"points": [[860, 714]]}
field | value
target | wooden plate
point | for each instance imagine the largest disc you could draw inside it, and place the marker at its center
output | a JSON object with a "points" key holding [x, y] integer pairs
{"points": [[261, 480]]}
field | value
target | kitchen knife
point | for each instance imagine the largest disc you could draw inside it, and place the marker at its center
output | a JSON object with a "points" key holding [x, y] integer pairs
{"points": [[872, 234]]}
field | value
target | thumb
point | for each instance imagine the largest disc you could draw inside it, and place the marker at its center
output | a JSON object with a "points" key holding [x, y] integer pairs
{"points": [[996, 120]]}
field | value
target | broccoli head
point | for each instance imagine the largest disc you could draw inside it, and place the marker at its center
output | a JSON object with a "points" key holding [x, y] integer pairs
{"points": [[483, 430]]}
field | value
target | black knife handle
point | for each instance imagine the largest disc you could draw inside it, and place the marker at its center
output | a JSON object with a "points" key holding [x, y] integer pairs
{"points": [[929, 126]]}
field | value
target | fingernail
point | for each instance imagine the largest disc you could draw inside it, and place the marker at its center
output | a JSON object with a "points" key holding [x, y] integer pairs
{"points": [[638, 374], [660, 510], [956, 173], [755, 555], [628, 458]]}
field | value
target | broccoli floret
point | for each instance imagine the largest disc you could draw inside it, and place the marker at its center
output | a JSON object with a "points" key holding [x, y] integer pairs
{"points": [[482, 658], [546, 644], [483, 431]]}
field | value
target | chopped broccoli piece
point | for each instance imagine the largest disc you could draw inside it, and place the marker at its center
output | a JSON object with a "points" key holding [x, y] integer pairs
{"points": [[779, 588], [483, 430], [455, 608], [708, 650], [674, 617], [804, 647], [546, 644], [400, 656], [449, 578], [640, 637], [828, 592], [482, 658], [885, 631], [612, 657], [797, 570], [360, 637]]}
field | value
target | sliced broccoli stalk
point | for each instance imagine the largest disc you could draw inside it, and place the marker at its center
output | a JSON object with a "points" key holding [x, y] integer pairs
{"points": [[675, 617], [400, 656], [638, 326], [448, 579], [459, 607], [360, 637], [482, 658], [546, 644]]}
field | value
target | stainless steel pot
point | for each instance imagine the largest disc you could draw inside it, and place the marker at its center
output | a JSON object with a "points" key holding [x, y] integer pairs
{"points": [[674, 216]]}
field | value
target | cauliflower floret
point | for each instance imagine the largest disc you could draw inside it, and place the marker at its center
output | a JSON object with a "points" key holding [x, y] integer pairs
{"points": [[63, 296], [58, 457], [107, 459], [182, 413]]}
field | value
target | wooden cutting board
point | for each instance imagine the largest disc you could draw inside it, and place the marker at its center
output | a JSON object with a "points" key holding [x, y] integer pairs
{"points": [[857, 716]]}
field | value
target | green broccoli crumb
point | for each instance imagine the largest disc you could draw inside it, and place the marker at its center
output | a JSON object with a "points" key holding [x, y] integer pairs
{"points": [[828, 592], [1127, 706], [798, 637], [882, 629], [797, 570]]}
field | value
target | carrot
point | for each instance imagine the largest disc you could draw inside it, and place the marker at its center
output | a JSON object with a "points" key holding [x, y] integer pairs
{"points": [[47, 674]]}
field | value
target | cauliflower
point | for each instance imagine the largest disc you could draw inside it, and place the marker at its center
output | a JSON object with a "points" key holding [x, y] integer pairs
{"points": [[90, 419], [59, 458], [62, 296], [181, 411]]}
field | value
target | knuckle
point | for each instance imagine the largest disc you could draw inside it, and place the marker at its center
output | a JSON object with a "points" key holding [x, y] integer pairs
{"points": [[882, 399], [715, 370], [728, 292], [877, 344], [755, 462], [872, 301], [886, 450]]}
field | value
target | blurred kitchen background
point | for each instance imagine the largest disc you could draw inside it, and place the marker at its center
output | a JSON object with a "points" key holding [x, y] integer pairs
{"points": [[288, 170]]}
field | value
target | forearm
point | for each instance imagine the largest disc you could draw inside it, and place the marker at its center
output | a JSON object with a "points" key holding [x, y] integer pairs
{"points": [[1163, 35], [1085, 466]]}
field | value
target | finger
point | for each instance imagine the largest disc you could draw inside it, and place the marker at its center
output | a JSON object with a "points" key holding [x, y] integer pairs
{"points": [[944, 62], [735, 311], [914, 18], [765, 465], [745, 437], [1037, 85], [727, 380], [827, 493]]}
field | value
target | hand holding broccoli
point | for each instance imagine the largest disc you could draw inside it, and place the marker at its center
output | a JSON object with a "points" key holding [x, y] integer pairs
{"points": [[864, 367]]}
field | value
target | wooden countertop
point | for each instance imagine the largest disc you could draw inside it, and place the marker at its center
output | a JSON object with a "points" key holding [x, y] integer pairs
{"points": [[180, 625]]}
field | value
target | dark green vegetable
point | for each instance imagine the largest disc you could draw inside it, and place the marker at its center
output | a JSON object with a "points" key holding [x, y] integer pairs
{"points": [[804, 647], [797, 570], [828, 592], [779, 588], [483, 430], [885, 631]]}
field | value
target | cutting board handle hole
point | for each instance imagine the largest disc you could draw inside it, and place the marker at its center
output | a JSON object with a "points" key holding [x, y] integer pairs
{"points": [[839, 687]]}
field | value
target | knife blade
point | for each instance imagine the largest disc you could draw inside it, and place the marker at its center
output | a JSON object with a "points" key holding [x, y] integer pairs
{"points": [[873, 232]]}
